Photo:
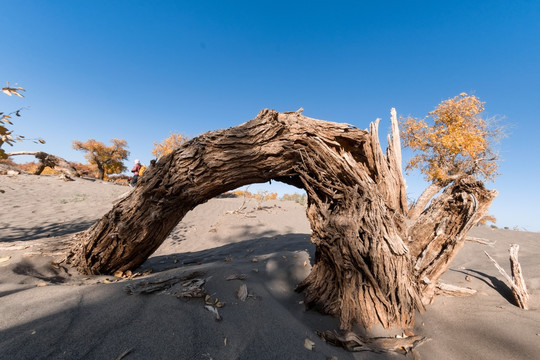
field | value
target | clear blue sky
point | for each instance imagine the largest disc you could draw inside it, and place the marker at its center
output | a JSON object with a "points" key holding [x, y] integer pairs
{"points": [[138, 70]]}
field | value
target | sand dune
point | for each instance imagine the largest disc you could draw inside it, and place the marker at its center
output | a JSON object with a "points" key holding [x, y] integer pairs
{"points": [[55, 313]]}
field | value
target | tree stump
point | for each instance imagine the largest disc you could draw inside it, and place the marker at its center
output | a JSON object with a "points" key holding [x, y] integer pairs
{"points": [[372, 265]]}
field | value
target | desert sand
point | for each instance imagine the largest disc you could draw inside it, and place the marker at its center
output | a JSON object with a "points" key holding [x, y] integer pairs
{"points": [[52, 312]]}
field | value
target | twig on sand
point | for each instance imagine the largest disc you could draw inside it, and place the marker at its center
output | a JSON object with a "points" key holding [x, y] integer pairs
{"points": [[124, 354], [480, 240]]}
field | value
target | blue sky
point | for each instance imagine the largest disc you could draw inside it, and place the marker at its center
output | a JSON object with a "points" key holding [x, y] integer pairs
{"points": [[138, 70]]}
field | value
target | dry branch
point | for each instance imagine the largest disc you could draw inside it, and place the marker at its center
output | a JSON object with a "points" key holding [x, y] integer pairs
{"points": [[517, 283], [480, 240], [453, 290]]}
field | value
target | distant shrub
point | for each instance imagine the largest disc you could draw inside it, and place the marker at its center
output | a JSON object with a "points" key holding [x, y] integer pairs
{"points": [[259, 196], [300, 199], [119, 179]]}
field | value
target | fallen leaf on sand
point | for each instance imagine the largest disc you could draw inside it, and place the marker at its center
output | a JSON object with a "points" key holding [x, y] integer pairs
{"points": [[214, 302], [4, 259], [255, 260], [305, 263], [242, 292], [308, 344], [41, 284]]}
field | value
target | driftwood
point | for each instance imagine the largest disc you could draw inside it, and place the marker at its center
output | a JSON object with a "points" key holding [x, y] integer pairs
{"points": [[517, 283], [372, 263], [160, 284], [52, 161], [354, 342], [480, 240], [453, 290]]}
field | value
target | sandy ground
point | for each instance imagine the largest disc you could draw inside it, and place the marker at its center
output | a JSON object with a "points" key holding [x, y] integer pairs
{"points": [[50, 313]]}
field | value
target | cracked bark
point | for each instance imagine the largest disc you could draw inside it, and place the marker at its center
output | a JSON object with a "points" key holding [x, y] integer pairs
{"points": [[372, 265]]}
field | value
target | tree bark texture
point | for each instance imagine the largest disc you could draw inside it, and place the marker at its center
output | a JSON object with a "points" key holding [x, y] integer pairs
{"points": [[52, 161], [372, 264]]}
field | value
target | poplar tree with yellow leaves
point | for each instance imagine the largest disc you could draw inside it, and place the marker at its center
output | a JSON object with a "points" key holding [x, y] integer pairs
{"points": [[168, 145], [107, 159], [453, 141]]}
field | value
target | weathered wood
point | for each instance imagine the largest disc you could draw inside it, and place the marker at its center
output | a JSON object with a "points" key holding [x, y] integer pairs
{"points": [[480, 241], [354, 342], [453, 290], [438, 234], [372, 264], [517, 283], [149, 286], [521, 293], [52, 161], [429, 192]]}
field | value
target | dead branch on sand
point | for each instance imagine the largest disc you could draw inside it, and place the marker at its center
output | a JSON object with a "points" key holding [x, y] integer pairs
{"points": [[517, 282]]}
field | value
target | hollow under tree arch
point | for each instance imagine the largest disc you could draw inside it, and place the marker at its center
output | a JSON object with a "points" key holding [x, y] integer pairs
{"points": [[372, 265]]}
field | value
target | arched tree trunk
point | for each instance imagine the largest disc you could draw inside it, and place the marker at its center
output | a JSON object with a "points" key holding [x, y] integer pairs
{"points": [[372, 264], [52, 161]]}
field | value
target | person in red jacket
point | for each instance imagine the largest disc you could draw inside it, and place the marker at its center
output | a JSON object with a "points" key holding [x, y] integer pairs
{"points": [[135, 172]]}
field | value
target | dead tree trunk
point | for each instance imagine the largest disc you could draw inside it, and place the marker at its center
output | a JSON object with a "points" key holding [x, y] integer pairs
{"points": [[52, 161], [372, 264]]}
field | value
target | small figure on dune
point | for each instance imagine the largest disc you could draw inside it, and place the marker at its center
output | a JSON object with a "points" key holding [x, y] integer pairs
{"points": [[135, 172]]}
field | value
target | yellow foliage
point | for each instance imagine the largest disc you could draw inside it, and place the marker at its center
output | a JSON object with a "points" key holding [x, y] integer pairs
{"points": [[49, 171], [259, 196], [456, 143], [168, 145], [107, 159]]}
